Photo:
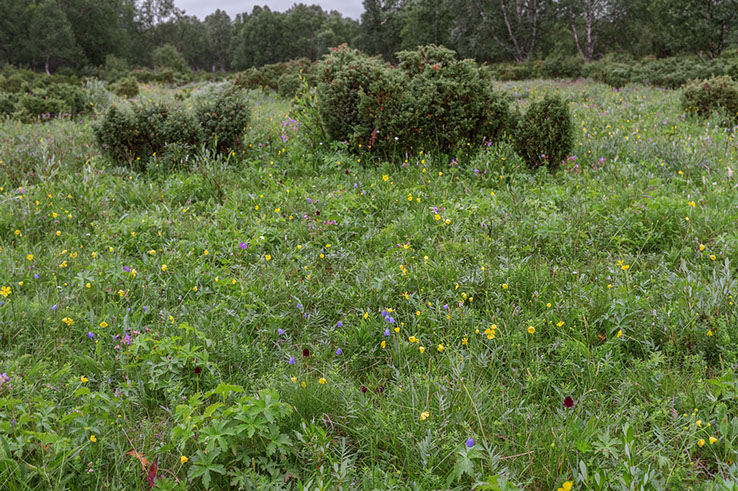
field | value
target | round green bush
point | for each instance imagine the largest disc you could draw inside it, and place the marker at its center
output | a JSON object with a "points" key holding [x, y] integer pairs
{"points": [[717, 94], [544, 136], [224, 117], [290, 85], [127, 87]]}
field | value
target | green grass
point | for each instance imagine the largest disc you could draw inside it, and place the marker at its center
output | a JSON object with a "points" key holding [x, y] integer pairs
{"points": [[287, 237]]}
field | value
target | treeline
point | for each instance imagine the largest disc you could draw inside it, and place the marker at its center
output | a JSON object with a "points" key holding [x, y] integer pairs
{"points": [[77, 35]]}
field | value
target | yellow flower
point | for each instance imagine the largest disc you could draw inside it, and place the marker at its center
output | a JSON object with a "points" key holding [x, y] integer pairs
{"points": [[504, 286], [448, 221], [205, 253], [385, 177], [566, 486], [424, 415], [560, 324], [702, 247], [700, 442], [303, 384], [417, 312], [68, 321], [322, 381], [121, 293], [366, 315], [103, 324], [464, 341], [83, 379], [699, 423], [620, 333], [531, 330], [268, 257], [625, 267], [709, 332], [194, 288], [152, 252], [712, 257], [88, 285], [440, 348], [183, 460], [93, 438], [422, 349], [29, 257], [5, 291], [294, 380], [692, 204], [58, 233], [383, 344], [548, 305], [713, 440], [163, 267]]}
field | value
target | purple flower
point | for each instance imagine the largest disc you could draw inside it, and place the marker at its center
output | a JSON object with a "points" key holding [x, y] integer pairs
{"points": [[244, 245], [127, 339], [280, 331], [91, 335], [339, 352], [35, 275], [470, 442], [292, 360], [386, 332], [339, 324], [53, 308], [385, 313], [445, 307], [299, 306], [568, 402], [127, 269], [391, 320]]}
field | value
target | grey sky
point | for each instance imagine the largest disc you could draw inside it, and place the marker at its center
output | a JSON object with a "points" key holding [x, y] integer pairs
{"points": [[199, 8]]}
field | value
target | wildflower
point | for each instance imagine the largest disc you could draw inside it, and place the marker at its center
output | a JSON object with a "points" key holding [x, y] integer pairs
{"points": [[183, 459], [702, 247], [421, 349], [268, 257], [29, 257], [303, 384], [53, 307], [364, 389], [566, 486], [306, 352], [440, 348], [424, 415], [712, 257], [93, 438], [243, 245], [620, 333], [470, 442], [568, 401], [339, 324], [294, 380], [504, 286], [366, 315], [91, 335], [709, 332], [700, 442], [68, 321], [83, 379], [88, 285], [384, 344], [531, 330], [625, 267], [713, 440], [412, 339], [194, 288], [5, 291], [322, 381], [465, 341], [386, 332], [292, 360], [163, 267], [559, 324]]}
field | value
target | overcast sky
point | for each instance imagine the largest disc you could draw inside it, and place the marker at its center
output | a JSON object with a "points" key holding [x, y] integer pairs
{"points": [[199, 8]]}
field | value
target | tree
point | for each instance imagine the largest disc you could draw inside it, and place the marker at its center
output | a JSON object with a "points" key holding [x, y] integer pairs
{"points": [[514, 25], [585, 17], [218, 30], [700, 26], [381, 25], [426, 22], [51, 40], [259, 39]]}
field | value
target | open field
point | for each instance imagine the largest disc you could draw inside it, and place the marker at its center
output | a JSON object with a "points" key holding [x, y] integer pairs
{"points": [[301, 316]]}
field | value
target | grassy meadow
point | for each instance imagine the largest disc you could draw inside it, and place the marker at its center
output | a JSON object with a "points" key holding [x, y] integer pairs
{"points": [[297, 316]]}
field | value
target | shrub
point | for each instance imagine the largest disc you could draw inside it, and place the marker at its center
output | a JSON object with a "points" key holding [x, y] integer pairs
{"points": [[115, 68], [290, 84], [8, 104], [545, 134], [717, 94], [224, 116], [167, 57], [127, 87], [98, 96], [135, 133], [432, 101]]}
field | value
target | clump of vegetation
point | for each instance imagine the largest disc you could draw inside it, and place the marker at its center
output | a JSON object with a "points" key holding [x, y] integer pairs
{"points": [[430, 101], [127, 87], [544, 135], [717, 94], [224, 115]]}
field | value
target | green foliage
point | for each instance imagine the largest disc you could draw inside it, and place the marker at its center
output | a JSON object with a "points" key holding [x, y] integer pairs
{"points": [[717, 94], [290, 84], [544, 136], [432, 101], [224, 115], [168, 58], [127, 87]]}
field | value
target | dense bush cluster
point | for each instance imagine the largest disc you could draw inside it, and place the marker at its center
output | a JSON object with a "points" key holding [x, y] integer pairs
{"points": [[618, 71], [135, 132], [285, 78], [544, 136], [27, 96], [717, 94], [431, 100]]}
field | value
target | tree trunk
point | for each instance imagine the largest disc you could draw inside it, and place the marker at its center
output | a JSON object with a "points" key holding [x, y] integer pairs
{"points": [[46, 65]]}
